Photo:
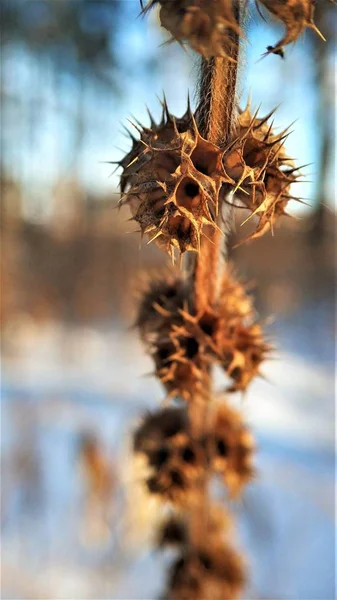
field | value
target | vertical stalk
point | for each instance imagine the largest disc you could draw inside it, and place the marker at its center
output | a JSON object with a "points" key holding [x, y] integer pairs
{"points": [[215, 117]]}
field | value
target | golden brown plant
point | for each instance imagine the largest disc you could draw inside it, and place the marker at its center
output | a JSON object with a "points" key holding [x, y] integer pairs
{"points": [[180, 179]]}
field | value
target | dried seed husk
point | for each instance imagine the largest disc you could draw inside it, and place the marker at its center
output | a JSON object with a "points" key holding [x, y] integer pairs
{"points": [[158, 426], [185, 344], [216, 572], [175, 468], [231, 448], [172, 180], [262, 170], [161, 300], [207, 26], [296, 15]]}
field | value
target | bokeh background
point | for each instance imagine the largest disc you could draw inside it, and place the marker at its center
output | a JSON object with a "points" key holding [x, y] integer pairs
{"points": [[74, 522]]}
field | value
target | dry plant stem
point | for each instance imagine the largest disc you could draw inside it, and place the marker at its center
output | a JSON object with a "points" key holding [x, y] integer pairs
{"points": [[216, 116], [217, 112]]}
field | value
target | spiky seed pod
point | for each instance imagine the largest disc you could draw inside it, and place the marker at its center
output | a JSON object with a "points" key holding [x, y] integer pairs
{"points": [[172, 186], [262, 170], [175, 467], [240, 344], [161, 300], [181, 359], [158, 427], [185, 344], [231, 448], [206, 26], [159, 135], [226, 334], [296, 15], [175, 459], [216, 573]]}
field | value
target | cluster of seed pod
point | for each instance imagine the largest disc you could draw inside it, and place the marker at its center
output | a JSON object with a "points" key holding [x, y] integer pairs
{"points": [[176, 459], [184, 344], [214, 570], [208, 26], [176, 182]]}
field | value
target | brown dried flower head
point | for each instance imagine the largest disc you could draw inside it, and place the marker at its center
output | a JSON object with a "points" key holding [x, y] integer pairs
{"points": [[205, 25], [158, 426], [176, 467], [172, 180], [185, 344], [296, 15], [263, 173], [178, 359], [161, 300], [231, 448], [176, 460], [215, 573]]}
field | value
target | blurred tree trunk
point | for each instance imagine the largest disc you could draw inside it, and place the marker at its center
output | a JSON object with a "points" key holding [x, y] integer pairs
{"points": [[325, 20]]}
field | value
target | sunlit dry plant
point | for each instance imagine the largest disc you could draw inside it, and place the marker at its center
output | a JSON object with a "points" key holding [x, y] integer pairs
{"points": [[180, 180]]}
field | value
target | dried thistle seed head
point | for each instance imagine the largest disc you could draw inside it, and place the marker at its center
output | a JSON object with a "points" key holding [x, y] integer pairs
{"points": [[226, 334], [296, 15], [172, 186], [206, 26], [173, 532], [263, 172], [216, 573], [180, 377], [242, 349], [231, 447], [175, 466], [182, 360], [158, 135], [184, 344], [171, 486], [160, 304], [158, 427]]}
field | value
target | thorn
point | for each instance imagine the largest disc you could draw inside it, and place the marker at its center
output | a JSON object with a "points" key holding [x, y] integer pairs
{"points": [[319, 33], [155, 237], [267, 117], [128, 133], [152, 121], [135, 126]]}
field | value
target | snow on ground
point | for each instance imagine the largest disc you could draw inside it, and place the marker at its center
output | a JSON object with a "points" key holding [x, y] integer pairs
{"points": [[58, 381]]}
